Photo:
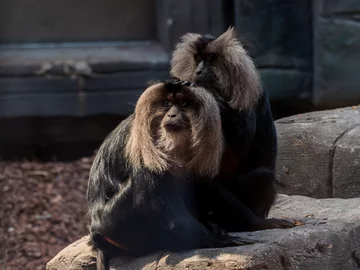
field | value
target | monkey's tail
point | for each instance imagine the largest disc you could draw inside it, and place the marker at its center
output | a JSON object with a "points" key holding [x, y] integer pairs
{"points": [[102, 261], [102, 258]]}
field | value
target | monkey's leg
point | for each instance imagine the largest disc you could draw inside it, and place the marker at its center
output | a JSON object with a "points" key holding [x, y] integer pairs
{"points": [[198, 236], [258, 193], [182, 229], [256, 190], [247, 218], [105, 219]]}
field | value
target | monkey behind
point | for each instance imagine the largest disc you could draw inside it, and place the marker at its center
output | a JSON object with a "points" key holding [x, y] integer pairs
{"points": [[244, 192]]}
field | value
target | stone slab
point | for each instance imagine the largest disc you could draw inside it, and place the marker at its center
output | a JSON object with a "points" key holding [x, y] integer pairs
{"points": [[329, 239]]}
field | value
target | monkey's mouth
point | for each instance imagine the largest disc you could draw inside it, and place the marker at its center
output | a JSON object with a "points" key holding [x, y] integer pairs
{"points": [[204, 81], [173, 127]]}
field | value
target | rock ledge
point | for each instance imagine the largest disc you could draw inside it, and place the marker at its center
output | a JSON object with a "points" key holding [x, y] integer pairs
{"points": [[330, 239]]}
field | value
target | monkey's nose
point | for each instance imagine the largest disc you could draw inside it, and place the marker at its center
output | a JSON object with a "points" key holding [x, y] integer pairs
{"points": [[171, 115], [198, 72]]}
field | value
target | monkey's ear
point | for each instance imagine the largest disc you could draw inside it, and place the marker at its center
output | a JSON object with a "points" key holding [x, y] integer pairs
{"points": [[231, 32], [152, 82], [226, 37], [188, 39], [153, 90]]}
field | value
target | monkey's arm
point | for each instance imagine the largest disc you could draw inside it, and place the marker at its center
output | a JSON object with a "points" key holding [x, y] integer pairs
{"points": [[254, 190], [258, 185], [106, 211], [263, 150], [251, 222], [109, 193], [109, 169]]}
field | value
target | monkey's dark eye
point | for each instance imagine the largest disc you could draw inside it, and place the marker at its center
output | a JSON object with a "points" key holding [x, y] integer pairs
{"points": [[197, 58], [182, 103], [210, 57], [166, 103]]}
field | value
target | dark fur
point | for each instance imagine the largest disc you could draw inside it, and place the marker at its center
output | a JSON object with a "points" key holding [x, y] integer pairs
{"points": [[148, 208], [240, 197]]}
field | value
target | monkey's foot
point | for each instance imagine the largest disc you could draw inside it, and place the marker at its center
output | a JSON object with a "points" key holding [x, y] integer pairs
{"points": [[272, 223], [216, 229], [238, 241], [233, 241]]}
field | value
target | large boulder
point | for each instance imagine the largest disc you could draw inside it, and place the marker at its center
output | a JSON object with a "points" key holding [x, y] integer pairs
{"points": [[329, 239], [319, 153], [75, 256]]}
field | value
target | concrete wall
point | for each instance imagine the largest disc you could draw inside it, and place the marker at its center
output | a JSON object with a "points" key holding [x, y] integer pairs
{"points": [[306, 50]]}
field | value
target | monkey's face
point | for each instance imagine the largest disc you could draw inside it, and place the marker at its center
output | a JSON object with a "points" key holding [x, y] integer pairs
{"points": [[209, 62], [205, 60], [220, 65], [176, 126], [176, 109], [169, 110], [197, 58]]}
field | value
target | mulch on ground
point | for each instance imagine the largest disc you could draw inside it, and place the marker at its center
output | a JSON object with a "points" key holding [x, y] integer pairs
{"points": [[43, 209]]}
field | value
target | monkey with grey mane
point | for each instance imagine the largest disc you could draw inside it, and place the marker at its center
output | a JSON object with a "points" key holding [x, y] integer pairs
{"points": [[240, 196], [140, 193]]}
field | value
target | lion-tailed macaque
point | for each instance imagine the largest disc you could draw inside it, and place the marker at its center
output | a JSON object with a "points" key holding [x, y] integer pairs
{"points": [[247, 175], [140, 192]]}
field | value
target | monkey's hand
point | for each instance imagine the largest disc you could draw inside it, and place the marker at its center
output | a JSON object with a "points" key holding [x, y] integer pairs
{"points": [[216, 229], [177, 81]]}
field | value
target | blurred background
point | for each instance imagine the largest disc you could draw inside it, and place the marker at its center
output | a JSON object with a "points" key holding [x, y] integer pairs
{"points": [[70, 71]]}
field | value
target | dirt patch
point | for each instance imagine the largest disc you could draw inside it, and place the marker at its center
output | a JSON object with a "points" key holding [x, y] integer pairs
{"points": [[43, 209]]}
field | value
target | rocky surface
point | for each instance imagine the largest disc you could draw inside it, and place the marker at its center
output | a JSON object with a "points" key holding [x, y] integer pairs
{"points": [[77, 255], [319, 153], [329, 239]]}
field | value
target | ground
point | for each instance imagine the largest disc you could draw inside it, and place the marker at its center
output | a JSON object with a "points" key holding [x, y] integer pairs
{"points": [[43, 209]]}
